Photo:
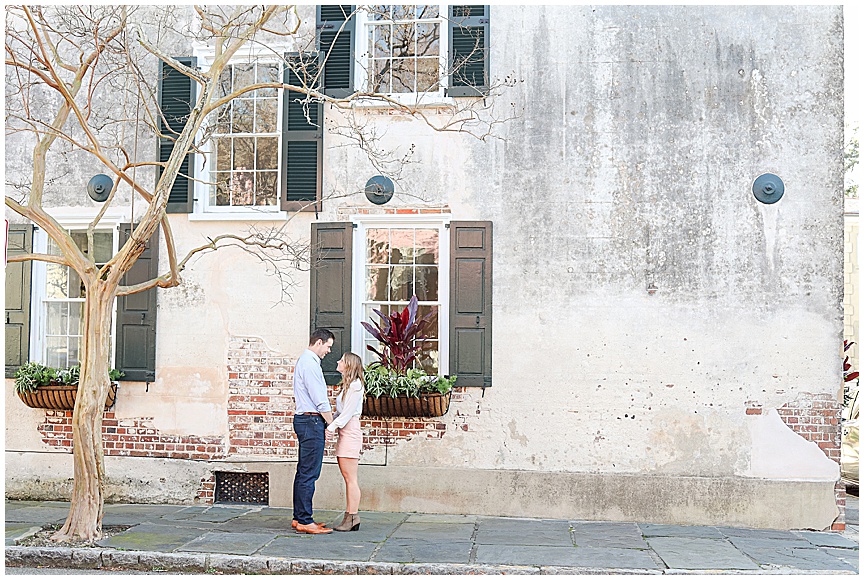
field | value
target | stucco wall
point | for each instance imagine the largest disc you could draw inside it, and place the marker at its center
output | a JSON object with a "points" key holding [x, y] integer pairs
{"points": [[643, 300]]}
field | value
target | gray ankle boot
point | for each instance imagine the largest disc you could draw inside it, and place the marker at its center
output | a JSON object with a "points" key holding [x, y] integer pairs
{"points": [[350, 523]]}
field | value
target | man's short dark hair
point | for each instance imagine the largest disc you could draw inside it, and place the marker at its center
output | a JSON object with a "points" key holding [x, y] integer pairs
{"points": [[321, 334]]}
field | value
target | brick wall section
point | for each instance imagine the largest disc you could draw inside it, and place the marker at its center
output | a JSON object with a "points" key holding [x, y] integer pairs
{"points": [[133, 437], [816, 418], [261, 407], [260, 400], [207, 491]]}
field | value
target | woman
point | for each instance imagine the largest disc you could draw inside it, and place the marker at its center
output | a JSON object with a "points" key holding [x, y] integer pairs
{"points": [[349, 406]]}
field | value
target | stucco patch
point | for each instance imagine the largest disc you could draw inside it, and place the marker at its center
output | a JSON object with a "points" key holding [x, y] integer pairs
{"points": [[777, 452]]}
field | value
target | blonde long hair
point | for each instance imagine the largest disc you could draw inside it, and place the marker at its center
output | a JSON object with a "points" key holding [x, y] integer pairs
{"points": [[353, 371]]}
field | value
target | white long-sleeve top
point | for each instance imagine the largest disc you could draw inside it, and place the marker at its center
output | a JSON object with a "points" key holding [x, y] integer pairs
{"points": [[352, 406]]}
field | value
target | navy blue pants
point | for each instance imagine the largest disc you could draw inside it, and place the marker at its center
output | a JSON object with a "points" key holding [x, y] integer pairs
{"points": [[310, 435]]}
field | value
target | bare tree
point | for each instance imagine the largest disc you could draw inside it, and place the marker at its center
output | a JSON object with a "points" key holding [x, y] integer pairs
{"points": [[62, 64]]}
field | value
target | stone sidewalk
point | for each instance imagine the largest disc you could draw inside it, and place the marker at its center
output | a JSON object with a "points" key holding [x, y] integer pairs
{"points": [[234, 539]]}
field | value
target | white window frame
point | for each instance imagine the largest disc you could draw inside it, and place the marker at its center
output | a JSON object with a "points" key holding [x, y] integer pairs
{"points": [[362, 58], [358, 275], [201, 208], [39, 278]]}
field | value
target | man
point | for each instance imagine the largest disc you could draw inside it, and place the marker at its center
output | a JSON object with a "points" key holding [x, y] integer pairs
{"points": [[312, 414]]}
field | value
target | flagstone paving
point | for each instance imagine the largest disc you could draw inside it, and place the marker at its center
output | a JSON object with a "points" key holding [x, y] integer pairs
{"points": [[430, 540]]}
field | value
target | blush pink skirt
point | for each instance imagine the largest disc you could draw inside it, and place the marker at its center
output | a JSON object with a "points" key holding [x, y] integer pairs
{"points": [[350, 439]]}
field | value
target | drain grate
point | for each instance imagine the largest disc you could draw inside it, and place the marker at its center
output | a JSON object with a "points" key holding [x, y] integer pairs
{"points": [[236, 487]]}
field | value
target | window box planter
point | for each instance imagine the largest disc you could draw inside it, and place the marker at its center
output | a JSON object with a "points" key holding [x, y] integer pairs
{"points": [[59, 397], [427, 405]]}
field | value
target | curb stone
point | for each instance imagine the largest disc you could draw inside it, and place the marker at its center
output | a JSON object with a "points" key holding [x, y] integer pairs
{"points": [[92, 558], [238, 564], [173, 562]]}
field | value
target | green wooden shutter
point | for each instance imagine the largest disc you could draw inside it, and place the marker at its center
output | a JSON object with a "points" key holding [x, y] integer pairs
{"points": [[468, 60], [176, 96], [336, 43], [471, 303], [330, 291], [136, 315], [19, 241], [301, 138]]}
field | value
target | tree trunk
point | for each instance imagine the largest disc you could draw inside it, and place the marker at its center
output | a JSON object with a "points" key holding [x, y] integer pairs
{"points": [[85, 514]]}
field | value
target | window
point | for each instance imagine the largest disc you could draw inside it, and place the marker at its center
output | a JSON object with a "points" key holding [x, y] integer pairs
{"points": [[457, 266], [397, 261], [244, 158], [62, 301], [401, 50]]}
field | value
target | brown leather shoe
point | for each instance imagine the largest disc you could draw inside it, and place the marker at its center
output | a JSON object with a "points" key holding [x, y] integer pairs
{"points": [[295, 523], [312, 529]]}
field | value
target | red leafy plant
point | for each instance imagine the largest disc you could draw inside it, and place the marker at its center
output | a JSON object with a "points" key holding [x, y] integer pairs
{"points": [[400, 337]]}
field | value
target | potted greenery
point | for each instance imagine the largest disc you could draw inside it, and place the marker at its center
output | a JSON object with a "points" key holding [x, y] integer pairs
{"points": [[43, 387], [394, 388]]}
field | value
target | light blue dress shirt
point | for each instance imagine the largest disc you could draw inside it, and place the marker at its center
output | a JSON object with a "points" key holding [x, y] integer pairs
{"points": [[310, 390]]}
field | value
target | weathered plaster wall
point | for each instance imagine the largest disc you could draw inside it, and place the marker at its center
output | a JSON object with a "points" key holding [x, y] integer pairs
{"points": [[641, 294], [643, 299]]}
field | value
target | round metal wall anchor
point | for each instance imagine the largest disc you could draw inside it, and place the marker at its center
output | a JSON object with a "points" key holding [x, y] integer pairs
{"points": [[768, 188], [379, 189], [99, 187]]}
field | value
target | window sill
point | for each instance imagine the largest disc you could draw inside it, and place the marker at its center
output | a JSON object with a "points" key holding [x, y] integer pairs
{"points": [[239, 216], [406, 100]]}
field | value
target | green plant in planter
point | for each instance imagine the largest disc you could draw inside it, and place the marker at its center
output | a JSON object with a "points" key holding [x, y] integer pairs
{"points": [[401, 339], [33, 374]]}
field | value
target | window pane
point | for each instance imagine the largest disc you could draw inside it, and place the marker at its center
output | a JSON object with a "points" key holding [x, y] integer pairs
{"points": [[403, 40], [402, 246], [427, 357], [225, 82], [243, 116], [380, 12], [223, 154], [268, 73], [265, 115], [55, 351], [427, 40], [267, 153], [377, 246], [76, 285], [379, 41], [427, 247], [403, 75], [244, 75], [72, 356], [103, 246], [222, 194], [57, 318], [401, 282], [244, 150], [403, 11], [427, 11], [57, 281], [427, 74], [431, 329], [266, 188], [223, 119], [426, 283], [376, 283], [379, 76], [75, 309], [243, 188]]}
